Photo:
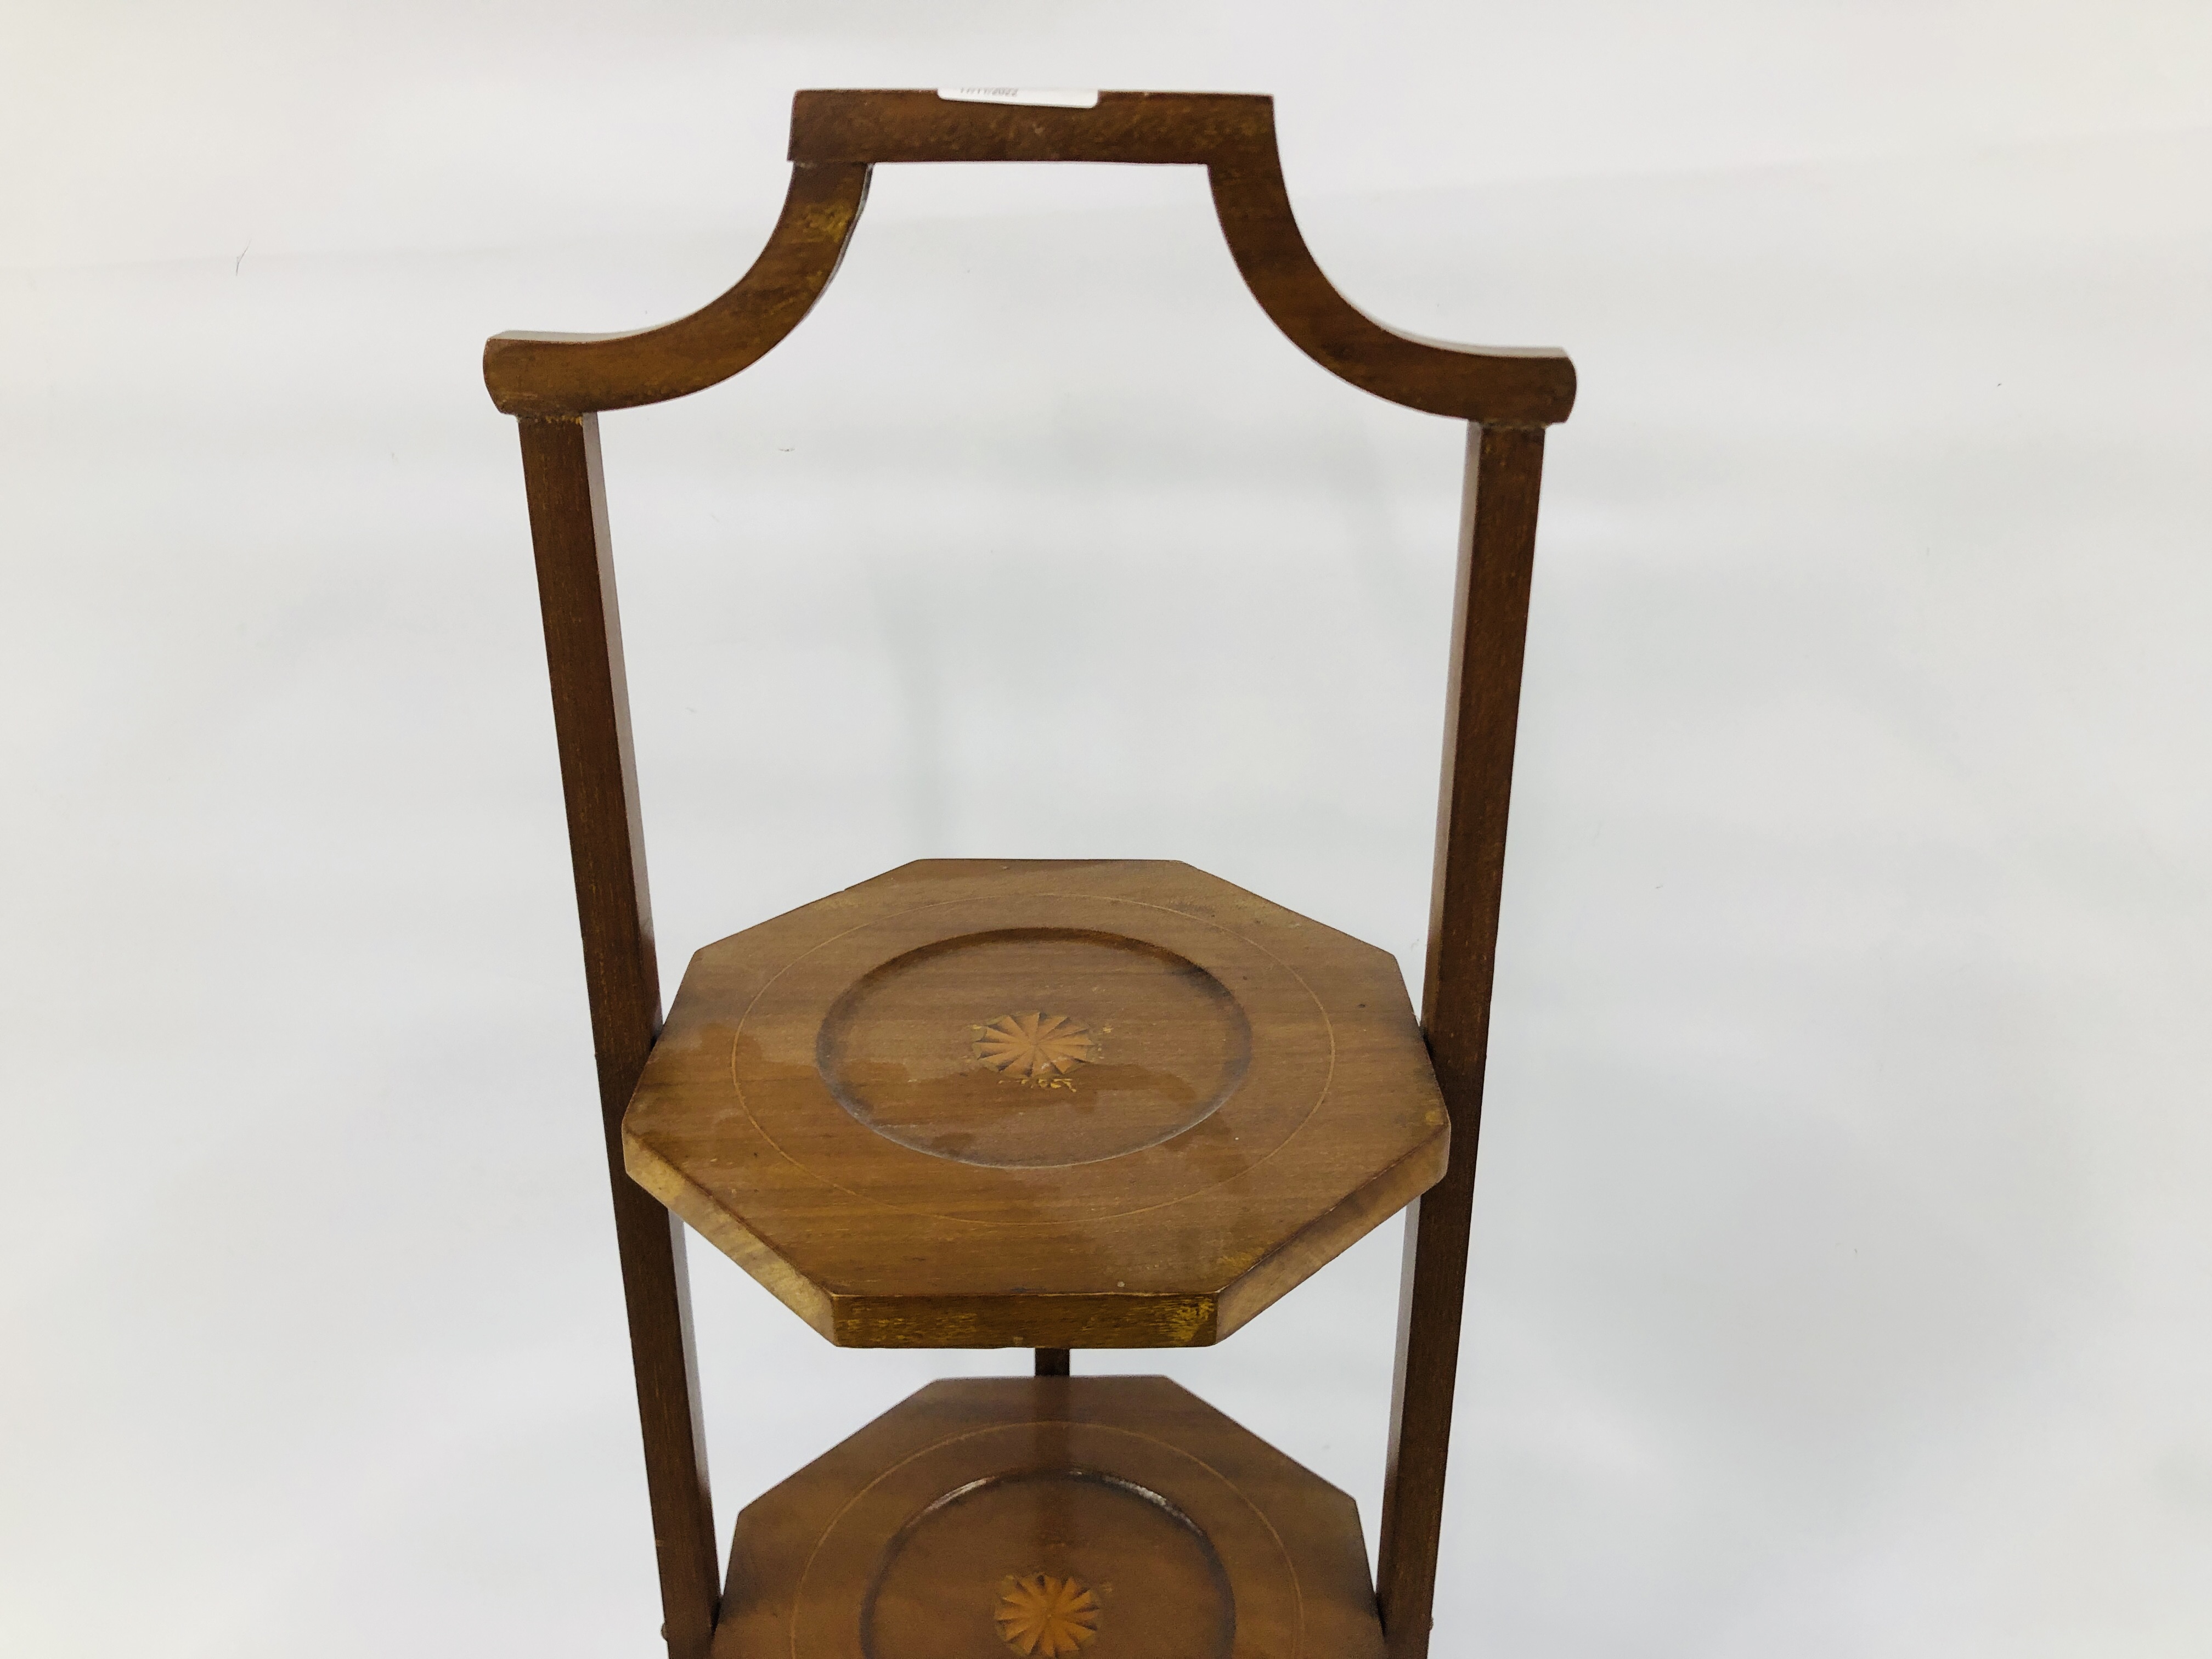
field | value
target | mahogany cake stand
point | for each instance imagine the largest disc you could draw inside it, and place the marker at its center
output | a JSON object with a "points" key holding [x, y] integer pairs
{"points": [[1051, 1105]]}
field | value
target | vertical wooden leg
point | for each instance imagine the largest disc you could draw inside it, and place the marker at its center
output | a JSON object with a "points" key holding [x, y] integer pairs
{"points": [[1053, 1362], [591, 714], [1498, 537]]}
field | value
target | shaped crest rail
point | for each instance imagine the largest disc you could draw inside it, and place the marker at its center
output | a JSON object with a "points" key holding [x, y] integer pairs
{"points": [[836, 137]]}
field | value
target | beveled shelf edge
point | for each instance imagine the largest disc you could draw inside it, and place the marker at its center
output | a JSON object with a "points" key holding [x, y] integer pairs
{"points": [[726, 1234], [1298, 1258], [1106, 1319], [1103, 1319]]}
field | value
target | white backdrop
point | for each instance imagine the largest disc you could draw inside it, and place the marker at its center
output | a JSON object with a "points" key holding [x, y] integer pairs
{"points": [[1843, 1279]]}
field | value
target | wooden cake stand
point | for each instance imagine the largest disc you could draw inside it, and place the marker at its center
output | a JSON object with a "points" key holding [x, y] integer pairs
{"points": [[1044, 1105]]}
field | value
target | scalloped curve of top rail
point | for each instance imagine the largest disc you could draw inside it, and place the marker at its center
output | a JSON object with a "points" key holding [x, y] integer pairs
{"points": [[838, 137]]}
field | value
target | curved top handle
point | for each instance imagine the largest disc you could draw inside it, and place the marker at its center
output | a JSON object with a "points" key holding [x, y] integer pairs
{"points": [[836, 137], [1194, 129]]}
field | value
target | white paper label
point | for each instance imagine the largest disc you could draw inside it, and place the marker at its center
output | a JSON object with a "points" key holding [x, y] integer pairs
{"points": [[1051, 97]]}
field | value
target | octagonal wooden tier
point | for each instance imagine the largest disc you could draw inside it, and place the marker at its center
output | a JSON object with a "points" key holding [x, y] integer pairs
{"points": [[1038, 1105], [1120, 1517]]}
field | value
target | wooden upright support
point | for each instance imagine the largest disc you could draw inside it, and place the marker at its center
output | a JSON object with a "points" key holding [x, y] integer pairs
{"points": [[591, 719], [1489, 625]]}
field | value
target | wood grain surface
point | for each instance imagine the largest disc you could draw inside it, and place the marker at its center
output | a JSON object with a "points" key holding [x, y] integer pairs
{"points": [[1043, 1104], [1043, 1517], [598, 779], [836, 137], [542, 375], [1497, 543], [1043, 1173]]}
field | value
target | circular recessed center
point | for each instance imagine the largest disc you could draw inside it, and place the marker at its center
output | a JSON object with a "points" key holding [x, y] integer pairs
{"points": [[1034, 1047], [1046, 1563]]}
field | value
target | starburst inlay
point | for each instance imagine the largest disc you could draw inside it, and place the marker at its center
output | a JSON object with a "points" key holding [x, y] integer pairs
{"points": [[1036, 1047], [1045, 1616]]}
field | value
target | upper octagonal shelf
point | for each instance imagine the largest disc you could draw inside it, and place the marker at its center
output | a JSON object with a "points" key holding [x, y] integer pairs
{"points": [[976, 1103]]}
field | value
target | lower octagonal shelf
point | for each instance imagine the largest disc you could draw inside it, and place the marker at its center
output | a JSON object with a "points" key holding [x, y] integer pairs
{"points": [[1041, 1517], [1039, 1104]]}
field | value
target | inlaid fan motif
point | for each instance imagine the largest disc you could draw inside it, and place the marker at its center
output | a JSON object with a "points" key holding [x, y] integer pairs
{"points": [[1045, 1616], [1037, 1047]]}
